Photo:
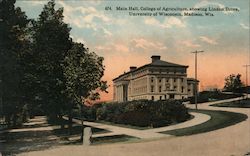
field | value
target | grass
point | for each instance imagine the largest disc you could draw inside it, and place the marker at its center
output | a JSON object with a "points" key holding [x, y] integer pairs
{"points": [[122, 125], [219, 119], [25, 141], [113, 139], [245, 103]]}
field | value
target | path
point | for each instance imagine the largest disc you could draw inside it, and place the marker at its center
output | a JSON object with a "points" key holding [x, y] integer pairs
{"points": [[145, 134], [230, 141]]}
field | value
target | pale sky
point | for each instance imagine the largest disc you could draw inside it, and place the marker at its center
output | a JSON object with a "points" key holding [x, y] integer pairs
{"points": [[126, 41]]}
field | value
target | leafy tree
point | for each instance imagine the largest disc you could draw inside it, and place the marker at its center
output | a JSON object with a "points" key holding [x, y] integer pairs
{"points": [[83, 71], [51, 44], [14, 45], [233, 82]]}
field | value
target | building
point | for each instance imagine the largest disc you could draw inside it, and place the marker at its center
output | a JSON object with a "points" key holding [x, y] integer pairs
{"points": [[158, 80]]}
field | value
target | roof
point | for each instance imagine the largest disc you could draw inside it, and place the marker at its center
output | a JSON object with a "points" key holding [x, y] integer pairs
{"points": [[156, 63], [164, 63]]}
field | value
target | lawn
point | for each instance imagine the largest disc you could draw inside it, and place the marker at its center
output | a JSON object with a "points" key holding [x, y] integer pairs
{"points": [[13, 143], [219, 119], [113, 139], [237, 104]]}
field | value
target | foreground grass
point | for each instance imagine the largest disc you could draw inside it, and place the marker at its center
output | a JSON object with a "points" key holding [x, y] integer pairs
{"points": [[123, 125], [219, 119], [236, 104]]}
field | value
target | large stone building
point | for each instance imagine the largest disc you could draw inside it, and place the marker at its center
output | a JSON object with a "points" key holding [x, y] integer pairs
{"points": [[158, 80]]}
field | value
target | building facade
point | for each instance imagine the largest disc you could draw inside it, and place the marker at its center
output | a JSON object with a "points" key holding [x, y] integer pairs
{"points": [[158, 80]]}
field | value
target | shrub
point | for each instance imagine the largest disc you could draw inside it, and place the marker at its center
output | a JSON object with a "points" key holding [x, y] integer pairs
{"points": [[139, 113], [141, 119]]}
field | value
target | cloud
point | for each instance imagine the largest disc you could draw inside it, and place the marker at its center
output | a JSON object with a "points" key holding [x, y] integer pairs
{"points": [[173, 21], [114, 47], [189, 44], [148, 45], [244, 26], [86, 17], [208, 40], [37, 3], [167, 23]]}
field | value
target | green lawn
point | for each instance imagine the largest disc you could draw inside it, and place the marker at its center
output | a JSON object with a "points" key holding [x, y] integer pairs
{"points": [[113, 139], [124, 126], [237, 104], [219, 119]]}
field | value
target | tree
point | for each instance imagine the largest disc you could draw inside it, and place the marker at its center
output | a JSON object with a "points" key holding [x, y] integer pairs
{"points": [[83, 71], [14, 45], [233, 82], [51, 44]]}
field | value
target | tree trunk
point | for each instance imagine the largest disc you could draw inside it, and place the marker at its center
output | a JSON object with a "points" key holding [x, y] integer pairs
{"points": [[61, 121], [82, 131], [70, 122]]}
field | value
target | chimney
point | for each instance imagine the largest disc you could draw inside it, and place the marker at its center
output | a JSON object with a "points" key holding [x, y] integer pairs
{"points": [[155, 58], [132, 68]]}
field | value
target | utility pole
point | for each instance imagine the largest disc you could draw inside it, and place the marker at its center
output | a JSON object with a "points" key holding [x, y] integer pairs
{"points": [[196, 81], [246, 66]]}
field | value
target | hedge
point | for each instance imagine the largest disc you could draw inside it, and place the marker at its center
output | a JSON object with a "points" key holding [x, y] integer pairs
{"points": [[143, 113]]}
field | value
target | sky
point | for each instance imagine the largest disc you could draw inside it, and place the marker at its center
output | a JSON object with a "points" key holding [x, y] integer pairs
{"points": [[125, 40]]}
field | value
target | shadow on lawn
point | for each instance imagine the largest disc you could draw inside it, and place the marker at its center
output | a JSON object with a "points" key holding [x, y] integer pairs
{"points": [[13, 142], [17, 142]]}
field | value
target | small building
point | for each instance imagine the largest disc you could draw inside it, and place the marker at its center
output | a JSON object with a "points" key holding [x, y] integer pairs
{"points": [[158, 80]]}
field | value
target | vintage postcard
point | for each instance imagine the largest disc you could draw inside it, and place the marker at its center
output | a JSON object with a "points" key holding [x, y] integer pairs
{"points": [[125, 77]]}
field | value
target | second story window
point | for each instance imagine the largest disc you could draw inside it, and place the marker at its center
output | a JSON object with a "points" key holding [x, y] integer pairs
{"points": [[152, 79], [152, 88], [159, 88]]}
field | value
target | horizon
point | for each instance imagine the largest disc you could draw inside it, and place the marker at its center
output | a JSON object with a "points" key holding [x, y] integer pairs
{"points": [[126, 41]]}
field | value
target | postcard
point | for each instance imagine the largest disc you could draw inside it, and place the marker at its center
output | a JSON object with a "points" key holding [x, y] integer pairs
{"points": [[123, 77]]}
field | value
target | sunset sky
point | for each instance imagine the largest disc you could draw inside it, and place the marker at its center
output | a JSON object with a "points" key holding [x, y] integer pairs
{"points": [[126, 41]]}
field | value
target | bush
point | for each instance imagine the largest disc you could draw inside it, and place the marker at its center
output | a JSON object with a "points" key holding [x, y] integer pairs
{"points": [[139, 113], [141, 119], [206, 96]]}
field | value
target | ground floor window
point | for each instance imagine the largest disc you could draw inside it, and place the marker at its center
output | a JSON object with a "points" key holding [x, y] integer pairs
{"points": [[152, 98]]}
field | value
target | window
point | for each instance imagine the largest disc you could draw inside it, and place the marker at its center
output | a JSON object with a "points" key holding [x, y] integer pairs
{"points": [[160, 80], [189, 90], [152, 88], [175, 87], [182, 80], [171, 96], [159, 88], [152, 79], [165, 96], [182, 89], [152, 98], [167, 80], [160, 97], [174, 80]]}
